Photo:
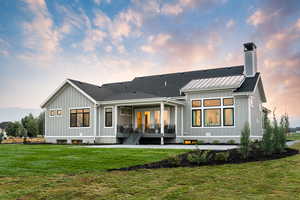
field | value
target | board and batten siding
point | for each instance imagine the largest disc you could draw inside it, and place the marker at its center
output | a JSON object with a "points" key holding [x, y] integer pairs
{"points": [[240, 112], [256, 125], [68, 97]]}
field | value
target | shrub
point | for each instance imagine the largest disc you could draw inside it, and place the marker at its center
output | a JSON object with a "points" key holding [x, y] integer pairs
{"points": [[200, 142], [230, 142], [267, 140], [175, 160], [222, 156], [197, 157], [216, 142], [245, 141], [276, 135]]}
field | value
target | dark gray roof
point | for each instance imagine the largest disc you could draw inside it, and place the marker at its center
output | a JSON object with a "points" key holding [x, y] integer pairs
{"points": [[249, 84], [164, 85]]}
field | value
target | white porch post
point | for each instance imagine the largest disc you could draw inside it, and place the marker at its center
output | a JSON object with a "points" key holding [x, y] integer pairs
{"points": [[162, 125], [176, 111], [95, 122], [116, 119]]}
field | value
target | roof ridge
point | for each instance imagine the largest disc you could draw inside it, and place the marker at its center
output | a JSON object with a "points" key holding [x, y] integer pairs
{"points": [[192, 71], [83, 82]]}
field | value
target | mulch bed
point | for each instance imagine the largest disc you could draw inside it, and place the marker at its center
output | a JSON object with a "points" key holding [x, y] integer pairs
{"points": [[233, 158]]}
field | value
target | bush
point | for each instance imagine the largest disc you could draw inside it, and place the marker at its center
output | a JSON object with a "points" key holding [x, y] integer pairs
{"points": [[245, 141], [267, 140], [200, 142], [216, 142], [230, 142], [175, 160], [197, 157], [222, 156]]}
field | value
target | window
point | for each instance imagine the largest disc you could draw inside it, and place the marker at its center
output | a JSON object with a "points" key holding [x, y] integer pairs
{"points": [[55, 113], [108, 117], [228, 116], [214, 112], [212, 117], [59, 112], [212, 102], [196, 118], [196, 103], [52, 113], [228, 101], [80, 117]]}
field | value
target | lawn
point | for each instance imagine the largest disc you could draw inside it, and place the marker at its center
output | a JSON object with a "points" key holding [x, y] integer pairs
{"points": [[74, 179], [293, 136]]}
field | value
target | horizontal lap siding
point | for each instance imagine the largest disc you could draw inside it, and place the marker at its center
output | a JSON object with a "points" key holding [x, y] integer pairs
{"points": [[241, 116], [67, 98]]}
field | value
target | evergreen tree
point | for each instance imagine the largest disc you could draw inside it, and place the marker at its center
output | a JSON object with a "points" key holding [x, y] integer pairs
{"points": [[276, 135], [267, 141], [245, 141]]}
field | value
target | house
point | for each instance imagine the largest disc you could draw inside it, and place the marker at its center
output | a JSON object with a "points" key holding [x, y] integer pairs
{"points": [[207, 105], [2, 131]]}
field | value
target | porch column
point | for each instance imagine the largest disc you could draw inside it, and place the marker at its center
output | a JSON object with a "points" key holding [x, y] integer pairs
{"points": [[162, 125], [116, 119]]}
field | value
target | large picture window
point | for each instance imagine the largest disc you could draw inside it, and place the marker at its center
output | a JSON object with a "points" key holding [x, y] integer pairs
{"points": [[212, 117], [216, 112], [80, 117], [108, 117]]}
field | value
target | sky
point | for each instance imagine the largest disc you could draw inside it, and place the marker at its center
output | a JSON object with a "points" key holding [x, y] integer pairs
{"points": [[101, 41]]}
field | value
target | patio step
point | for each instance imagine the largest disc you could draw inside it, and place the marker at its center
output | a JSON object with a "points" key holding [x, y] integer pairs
{"points": [[133, 138]]}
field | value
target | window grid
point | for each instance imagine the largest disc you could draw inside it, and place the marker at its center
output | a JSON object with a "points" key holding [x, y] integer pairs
{"points": [[221, 107]]}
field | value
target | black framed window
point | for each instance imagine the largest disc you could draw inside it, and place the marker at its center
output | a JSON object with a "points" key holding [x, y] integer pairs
{"points": [[228, 115], [80, 117], [196, 118], [108, 117]]}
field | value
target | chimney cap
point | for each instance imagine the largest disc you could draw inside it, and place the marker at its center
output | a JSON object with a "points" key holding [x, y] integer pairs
{"points": [[250, 46]]}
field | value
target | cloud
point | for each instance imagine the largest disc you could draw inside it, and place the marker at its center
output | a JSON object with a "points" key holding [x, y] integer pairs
{"points": [[230, 23], [4, 48], [257, 18], [179, 6], [93, 38], [285, 38], [40, 35]]}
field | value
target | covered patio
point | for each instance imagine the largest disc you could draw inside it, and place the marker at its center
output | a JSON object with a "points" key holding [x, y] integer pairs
{"points": [[152, 120]]}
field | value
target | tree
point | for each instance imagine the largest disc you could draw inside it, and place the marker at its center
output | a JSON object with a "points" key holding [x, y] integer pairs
{"points": [[41, 122], [31, 125], [245, 141], [276, 135], [267, 140], [15, 129]]}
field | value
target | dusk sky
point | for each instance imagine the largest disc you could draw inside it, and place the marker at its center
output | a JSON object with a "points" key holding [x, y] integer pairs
{"points": [[100, 41]]}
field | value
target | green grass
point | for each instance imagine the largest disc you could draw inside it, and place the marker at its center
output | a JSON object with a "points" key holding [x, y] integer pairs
{"points": [[293, 136], [27, 160], [275, 179]]}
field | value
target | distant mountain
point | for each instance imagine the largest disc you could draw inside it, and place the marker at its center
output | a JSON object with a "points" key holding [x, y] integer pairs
{"points": [[15, 114]]}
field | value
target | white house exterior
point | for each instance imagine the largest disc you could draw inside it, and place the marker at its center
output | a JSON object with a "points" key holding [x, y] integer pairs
{"points": [[206, 105]]}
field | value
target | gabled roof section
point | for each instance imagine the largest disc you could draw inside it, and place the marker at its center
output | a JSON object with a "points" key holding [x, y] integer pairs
{"points": [[250, 84], [74, 84], [227, 82]]}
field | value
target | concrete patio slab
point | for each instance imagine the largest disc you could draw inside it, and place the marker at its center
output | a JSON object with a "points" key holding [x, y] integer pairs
{"points": [[192, 147]]}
